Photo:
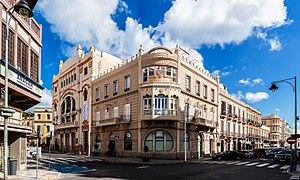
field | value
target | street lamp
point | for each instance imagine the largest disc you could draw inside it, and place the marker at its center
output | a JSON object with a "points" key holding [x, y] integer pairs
{"points": [[22, 8], [274, 88]]}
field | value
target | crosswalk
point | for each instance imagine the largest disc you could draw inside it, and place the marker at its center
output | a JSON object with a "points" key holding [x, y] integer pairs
{"points": [[258, 164], [44, 163]]}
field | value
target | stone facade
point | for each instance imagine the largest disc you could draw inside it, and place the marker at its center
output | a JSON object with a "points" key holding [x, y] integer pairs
{"points": [[72, 95]]}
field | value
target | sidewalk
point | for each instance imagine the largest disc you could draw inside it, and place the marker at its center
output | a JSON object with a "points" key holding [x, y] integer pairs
{"points": [[30, 174]]}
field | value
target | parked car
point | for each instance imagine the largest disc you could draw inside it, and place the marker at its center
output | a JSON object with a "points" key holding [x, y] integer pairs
{"points": [[249, 154], [282, 156], [228, 155], [271, 152], [260, 152]]}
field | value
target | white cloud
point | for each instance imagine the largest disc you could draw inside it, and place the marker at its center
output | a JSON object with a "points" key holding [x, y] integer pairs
{"points": [[239, 95], [188, 23], [249, 82], [277, 110], [275, 44], [245, 81], [258, 81], [251, 97], [256, 97], [46, 100], [221, 22]]}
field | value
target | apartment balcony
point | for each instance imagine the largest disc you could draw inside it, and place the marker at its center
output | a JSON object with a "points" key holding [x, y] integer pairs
{"points": [[223, 115], [199, 121], [66, 125], [235, 118], [230, 116], [123, 119]]}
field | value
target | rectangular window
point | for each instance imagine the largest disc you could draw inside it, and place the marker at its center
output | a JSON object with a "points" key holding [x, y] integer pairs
{"points": [[127, 112], [127, 83], [97, 117], [174, 106], [48, 116], [97, 93], [197, 86], [106, 113], [74, 77], [212, 95], [205, 91], [22, 56], [147, 105], [10, 44], [161, 105], [116, 111], [39, 117], [106, 91], [115, 87], [85, 70], [188, 83], [55, 89], [145, 75]]}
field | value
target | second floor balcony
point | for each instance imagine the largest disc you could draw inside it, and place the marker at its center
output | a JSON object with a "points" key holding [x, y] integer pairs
{"points": [[123, 119], [204, 122], [65, 125]]}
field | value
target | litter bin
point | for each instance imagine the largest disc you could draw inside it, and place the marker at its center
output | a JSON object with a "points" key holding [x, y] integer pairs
{"points": [[12, 166]]}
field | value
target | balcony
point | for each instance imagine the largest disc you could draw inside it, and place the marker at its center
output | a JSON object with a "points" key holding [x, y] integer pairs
{"points": [[204, 122], [71, 124], [235, 118], [223, 115], [229, 116], [123, 119]]}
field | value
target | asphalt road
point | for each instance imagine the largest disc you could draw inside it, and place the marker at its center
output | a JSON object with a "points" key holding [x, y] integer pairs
{"points": [[201, 170]]}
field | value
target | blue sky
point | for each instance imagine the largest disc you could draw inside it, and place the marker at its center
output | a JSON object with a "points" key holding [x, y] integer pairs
{"points": [[249, 43]]}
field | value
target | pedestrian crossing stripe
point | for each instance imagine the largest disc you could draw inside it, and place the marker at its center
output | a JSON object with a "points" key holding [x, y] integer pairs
{"points": [[251, 164], [273, 166], [285, 167], [262, 165], [242, 163], [233, 162]]}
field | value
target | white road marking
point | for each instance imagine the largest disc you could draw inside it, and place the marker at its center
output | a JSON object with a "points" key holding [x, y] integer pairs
{"points": [[251, 164], [285, 167], [242, 163], [232, 162], [262, 165], [273, 166], [143, 167]]}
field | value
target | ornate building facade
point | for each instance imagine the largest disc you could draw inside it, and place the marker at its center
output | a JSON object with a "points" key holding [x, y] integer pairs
{"points": [[72, 95], [148, 101]]}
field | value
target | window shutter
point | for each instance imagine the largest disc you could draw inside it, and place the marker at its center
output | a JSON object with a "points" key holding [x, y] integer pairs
{"points": [[116, 111]]}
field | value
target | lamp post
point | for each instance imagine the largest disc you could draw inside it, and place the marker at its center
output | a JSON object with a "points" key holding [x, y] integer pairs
{"points": [[274, 88], [22, 8]]}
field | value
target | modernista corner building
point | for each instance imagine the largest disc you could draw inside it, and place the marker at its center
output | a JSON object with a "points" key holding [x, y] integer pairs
{"points": [[104, 105]]}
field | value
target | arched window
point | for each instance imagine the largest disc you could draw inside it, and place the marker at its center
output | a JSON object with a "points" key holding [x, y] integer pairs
{"points": [[128, 141], [159, 140], [85, 95]]}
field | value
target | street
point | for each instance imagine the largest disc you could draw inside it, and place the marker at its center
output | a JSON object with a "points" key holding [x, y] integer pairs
{"points": [[80, 167]]}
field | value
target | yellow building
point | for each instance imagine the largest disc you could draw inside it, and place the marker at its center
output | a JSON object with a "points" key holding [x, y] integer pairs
{"points": [[43, 120], [277, 130]]}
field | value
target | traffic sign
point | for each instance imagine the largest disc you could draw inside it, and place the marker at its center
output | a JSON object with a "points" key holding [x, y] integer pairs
{"points": [[116, 137], [291, 140]]}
